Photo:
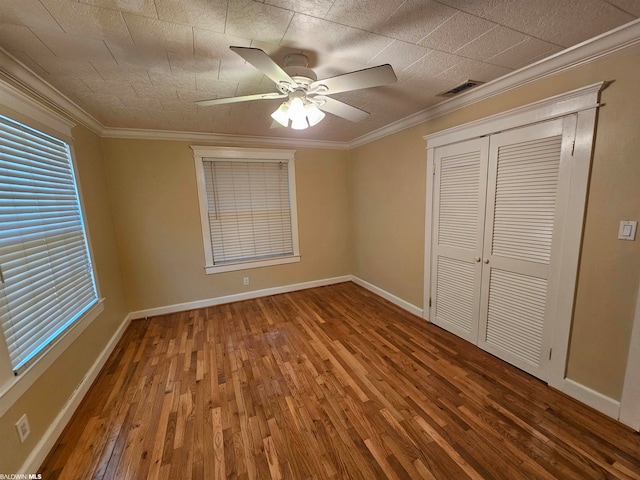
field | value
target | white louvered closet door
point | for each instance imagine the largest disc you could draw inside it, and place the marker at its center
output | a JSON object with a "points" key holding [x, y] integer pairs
{"points": [[528, 177], [458, 225]]}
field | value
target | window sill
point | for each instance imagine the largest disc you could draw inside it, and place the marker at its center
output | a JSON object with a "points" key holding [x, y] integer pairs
{"points": [[16, 386], [230, 267]]}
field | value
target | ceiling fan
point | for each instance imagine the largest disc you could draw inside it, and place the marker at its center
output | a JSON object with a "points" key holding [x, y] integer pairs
{"points": [[307, 97]]}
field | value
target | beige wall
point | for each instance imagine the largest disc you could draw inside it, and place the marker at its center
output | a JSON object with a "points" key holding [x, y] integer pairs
{"points": [[387, 197], [387, 200], [48, 395], [155, 204]]}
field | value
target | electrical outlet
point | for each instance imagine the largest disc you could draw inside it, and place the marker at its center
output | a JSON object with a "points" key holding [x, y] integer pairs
{"points": [[245, 281], [22, 426]]}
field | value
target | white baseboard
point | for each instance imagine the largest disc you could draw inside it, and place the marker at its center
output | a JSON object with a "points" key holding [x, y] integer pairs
{"points": [[210, 302], [46, 443], [590, 397], [388, 296]]}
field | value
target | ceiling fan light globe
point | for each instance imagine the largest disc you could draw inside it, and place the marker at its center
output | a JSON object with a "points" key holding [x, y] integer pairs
{"points": [[281, 115], [299, 123], [314, 114], [296, 108]]}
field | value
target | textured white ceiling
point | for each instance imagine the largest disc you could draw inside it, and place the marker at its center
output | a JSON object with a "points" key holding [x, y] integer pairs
{"points": [[142, 63]]}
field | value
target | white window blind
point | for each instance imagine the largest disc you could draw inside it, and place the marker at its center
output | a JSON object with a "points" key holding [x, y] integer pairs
{"points": [[47, 276], [248, 209]]}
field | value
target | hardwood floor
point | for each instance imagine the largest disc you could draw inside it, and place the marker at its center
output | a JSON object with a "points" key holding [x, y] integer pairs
{"points": [[332, 382]]}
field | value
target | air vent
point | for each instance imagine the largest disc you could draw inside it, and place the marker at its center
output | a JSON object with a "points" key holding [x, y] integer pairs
{"points": [[460, 88]]}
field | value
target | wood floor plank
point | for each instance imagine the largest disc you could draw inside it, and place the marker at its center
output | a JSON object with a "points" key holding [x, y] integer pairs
{"points": [[326, 383]]}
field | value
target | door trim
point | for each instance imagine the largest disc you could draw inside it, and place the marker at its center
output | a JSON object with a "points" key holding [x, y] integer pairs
{"points": [[583, 102]]}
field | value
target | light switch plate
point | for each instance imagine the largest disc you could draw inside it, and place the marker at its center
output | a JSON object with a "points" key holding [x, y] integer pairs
{"points": [[627, 230]]}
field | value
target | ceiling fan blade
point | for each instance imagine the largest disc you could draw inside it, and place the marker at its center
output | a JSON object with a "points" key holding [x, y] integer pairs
{"points": [[263, 62], [341, 109], [369, 77], [245, 98]]}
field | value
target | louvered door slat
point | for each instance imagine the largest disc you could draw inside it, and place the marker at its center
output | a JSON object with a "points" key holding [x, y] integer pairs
{"points": [[459, 190], [527, 180], [516, 313], [455, 292]]}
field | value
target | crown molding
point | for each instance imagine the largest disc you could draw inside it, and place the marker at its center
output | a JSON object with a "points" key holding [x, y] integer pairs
{"points": [[43, 92], [220, 139], [587, 51], [15, 99], [45, 96]]}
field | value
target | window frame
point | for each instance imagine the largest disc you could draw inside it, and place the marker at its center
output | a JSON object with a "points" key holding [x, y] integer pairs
{"points": [[200, 153], [13, 386]]}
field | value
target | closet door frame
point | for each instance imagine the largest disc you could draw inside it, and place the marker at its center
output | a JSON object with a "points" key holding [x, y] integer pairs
{"points": [[583, 103]]}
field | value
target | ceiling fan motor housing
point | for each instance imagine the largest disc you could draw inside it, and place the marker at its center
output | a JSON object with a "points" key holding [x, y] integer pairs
{"points": [[295, 64]]}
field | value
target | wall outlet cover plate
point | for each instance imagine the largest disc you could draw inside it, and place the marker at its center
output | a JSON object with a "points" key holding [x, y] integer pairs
{"points": [[627, 230]]}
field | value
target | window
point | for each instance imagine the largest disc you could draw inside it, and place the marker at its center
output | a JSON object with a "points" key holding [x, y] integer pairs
{"points": [[247, 207], [46, 275]]}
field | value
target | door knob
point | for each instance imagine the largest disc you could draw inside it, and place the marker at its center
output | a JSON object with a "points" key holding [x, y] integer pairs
{"points": [[477, 259], [486, 260]]}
